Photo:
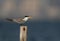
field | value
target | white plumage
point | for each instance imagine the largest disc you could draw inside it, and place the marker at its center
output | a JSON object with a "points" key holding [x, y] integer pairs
{"points": [[20, 20]]}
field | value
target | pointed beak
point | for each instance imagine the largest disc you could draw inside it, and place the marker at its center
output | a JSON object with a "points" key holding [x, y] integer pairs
{"points": [[30, 17]]}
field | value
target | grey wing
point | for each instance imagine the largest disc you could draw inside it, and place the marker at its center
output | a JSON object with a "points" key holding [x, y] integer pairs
{"points": [[16, 20], [9, 19], [12, 20], [19, 20]]}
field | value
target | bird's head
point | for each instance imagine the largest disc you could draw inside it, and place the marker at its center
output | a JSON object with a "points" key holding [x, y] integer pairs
{"points": [[29, 17]]}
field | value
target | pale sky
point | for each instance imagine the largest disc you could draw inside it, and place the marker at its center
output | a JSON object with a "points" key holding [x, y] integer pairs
{"points": [[39, 9]]}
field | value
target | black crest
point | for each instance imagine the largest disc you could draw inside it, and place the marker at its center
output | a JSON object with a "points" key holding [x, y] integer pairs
{"points": [[26, 16]]}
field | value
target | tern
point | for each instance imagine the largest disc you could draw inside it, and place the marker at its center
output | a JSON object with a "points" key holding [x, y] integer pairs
{"points": [[20, 20]]}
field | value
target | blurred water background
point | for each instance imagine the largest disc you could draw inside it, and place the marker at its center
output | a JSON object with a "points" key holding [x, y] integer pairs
{"points": [[45, 25]]}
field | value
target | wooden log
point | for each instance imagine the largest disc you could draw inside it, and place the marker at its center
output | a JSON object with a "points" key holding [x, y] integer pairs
{"points": [[23, 33]]}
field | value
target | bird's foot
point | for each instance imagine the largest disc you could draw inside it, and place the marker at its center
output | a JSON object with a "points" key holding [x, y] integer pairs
{"points": [[22, 24]]}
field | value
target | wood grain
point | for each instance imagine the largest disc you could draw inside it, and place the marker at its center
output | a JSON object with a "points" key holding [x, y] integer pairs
{"points": [[23, 33]]}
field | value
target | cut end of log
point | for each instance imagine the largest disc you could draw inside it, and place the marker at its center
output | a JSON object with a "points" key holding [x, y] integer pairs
{"points": [[23, 33]]}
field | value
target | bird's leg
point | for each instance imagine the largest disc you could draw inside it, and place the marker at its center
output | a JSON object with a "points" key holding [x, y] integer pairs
{"points": [[23, 24]]}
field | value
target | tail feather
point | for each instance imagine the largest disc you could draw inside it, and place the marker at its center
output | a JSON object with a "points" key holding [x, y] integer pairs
{"points": [[9, 19]]}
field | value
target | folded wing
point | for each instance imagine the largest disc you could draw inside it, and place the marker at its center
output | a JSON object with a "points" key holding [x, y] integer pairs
{"points": [[9, 19]]}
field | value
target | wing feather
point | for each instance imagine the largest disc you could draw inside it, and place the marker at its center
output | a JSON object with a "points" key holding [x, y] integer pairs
{"points": [[9, 19]]}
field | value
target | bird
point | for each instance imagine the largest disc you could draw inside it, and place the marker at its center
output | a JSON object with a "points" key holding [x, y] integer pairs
{"points": [[20, 20]]}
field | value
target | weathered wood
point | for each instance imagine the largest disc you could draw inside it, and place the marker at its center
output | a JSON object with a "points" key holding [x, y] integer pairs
{"points": [[23, 33]]}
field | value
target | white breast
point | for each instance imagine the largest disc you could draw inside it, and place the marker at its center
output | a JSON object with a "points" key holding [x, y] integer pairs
{"points": [[25, 19]]}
